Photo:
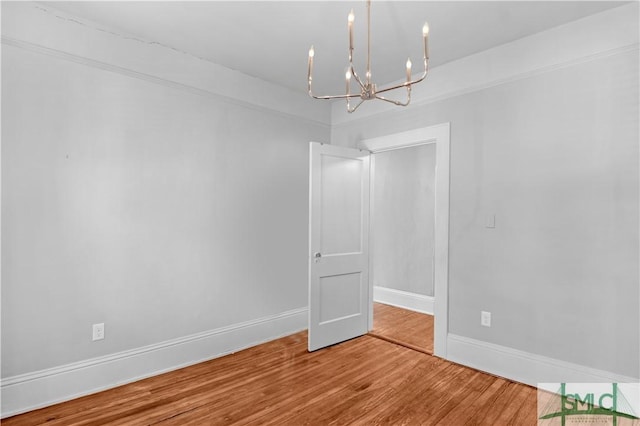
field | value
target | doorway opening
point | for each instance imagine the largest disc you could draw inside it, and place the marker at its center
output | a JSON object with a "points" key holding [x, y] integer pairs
{"points": [[403, 227], [409, 238]]}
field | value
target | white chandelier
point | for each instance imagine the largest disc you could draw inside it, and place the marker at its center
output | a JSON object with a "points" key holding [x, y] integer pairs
{"points": [[368, 90]]}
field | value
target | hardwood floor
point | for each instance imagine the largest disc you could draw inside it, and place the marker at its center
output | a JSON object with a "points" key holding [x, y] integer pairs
{"points": [[363, 381], [408, 328]]}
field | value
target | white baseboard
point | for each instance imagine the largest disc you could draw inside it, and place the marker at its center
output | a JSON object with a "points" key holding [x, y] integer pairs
{"points": [[39, 389], [403, 299], [524, 367]]}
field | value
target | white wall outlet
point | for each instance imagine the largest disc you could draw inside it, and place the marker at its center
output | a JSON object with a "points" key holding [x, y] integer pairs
{"points": [[485, 318], [98, 331]]}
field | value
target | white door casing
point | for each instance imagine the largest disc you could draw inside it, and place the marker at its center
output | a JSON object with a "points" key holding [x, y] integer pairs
{"points": [[339, 288]]}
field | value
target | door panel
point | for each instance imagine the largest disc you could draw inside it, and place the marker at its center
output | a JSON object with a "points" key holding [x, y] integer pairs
{"points": [[338, 243], [341, 215], [339, 297]]}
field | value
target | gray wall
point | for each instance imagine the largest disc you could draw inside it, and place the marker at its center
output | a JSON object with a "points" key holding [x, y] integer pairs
{"points": [[156, 211], [555, 157], [403, 209]]}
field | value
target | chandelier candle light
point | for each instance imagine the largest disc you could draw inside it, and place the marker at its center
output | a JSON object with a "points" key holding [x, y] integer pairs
{"points": [[368, 90]]}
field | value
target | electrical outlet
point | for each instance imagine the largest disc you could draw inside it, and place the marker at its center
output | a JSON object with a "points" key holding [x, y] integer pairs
{"points": [[485, 319], [98, 331]]}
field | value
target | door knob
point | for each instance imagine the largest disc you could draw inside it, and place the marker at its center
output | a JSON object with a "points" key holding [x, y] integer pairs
{"points": [[317, 255]]}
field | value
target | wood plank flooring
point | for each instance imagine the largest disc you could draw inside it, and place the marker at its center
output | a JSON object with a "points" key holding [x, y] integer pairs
{"points": [[364, 381], [409, 328]]}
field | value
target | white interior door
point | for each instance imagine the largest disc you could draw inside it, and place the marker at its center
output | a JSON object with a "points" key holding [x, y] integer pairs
{"points": [[339, 301]]}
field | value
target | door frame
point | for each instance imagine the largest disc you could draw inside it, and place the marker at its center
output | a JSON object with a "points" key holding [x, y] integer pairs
{"points": [[440, 135]]}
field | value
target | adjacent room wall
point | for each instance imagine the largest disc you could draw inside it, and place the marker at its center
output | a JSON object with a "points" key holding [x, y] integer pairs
{"points": [[154, 206], [552, 152], [403, 209]]}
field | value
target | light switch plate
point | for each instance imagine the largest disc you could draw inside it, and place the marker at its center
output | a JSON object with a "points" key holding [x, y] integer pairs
{"points": [[485, 318]]}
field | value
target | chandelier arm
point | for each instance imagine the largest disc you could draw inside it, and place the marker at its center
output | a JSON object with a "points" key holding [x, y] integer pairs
{"points": [[351, 95], [399, 86], [350, 110], [398, 103], [345, 96], [355, 75], [407, 83]]}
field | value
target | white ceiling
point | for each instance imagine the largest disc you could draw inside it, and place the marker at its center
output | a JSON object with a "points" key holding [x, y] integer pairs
{"points": [[270, 39]]}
